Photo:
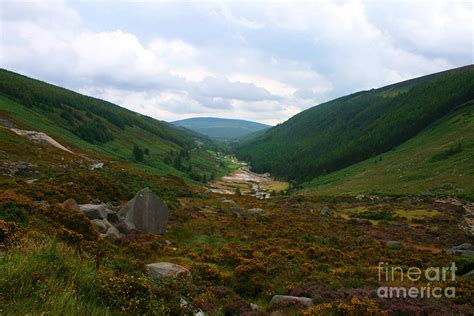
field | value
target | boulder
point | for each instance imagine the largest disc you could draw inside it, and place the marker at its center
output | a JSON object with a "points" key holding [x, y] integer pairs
{"points": [[279, 301], [254, 307], [465, 250], [326, 211], [465, 246], [166, 270], [112, 233], [71, 205], [101, 225], [469, 275], [393, 244], [146, 212], [95, 211], [230, 202]]}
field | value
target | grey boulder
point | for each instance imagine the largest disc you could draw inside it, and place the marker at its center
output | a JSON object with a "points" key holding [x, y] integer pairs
{"points": [[285, 301], [146, 212], [167, 270]]}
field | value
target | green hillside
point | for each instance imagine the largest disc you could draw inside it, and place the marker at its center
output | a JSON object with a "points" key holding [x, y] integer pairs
{"points": [[348, 130], [104, 130], [439, 160], [221, 129]]}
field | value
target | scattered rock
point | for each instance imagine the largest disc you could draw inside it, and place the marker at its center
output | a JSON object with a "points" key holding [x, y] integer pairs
{"points": [[112, 233], [166, 269], [254, 307], [101, 225], [256, 210], [360, 197], [231, 202], [71, 205], [123, 227], [95, 211], [279, 301], [18, 169], [393, 244], [326, 211], [146, 212], [469, 275], [42, 203], [466, 250], [98, 165]]}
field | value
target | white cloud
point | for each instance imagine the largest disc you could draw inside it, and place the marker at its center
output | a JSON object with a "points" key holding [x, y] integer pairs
{"points": [[278, 59]]}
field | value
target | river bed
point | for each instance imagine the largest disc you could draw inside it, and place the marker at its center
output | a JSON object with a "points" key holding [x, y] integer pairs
{"points": [[248, 183]]}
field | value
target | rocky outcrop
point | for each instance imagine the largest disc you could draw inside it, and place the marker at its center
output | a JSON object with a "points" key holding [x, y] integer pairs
{"points": [[146, 212], [106, 221], [40, 138], [167, 270]]}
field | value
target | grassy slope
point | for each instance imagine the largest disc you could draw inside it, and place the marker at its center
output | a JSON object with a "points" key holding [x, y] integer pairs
{"points": [[421, 164], [120, 148], [339, 133]]}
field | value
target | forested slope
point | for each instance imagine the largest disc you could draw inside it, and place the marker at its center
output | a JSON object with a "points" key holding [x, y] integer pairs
{"points": [[97, 127], [339, 133]]}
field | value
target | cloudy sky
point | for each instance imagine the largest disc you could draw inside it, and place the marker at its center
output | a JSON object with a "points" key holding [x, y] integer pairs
{"points": [[262, 61]]}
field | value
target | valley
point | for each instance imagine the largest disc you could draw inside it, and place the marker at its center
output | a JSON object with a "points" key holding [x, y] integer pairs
{"points": [[82, 181], [244, 181]]}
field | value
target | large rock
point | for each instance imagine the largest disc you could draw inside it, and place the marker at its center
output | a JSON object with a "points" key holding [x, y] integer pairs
{"points": [[466, 250], [95, 211], [167, 270], [280, 301], [146, 212]]}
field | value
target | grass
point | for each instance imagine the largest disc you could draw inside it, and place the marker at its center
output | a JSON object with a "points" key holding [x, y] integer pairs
{"points": [[48, 278], [436, 161]]}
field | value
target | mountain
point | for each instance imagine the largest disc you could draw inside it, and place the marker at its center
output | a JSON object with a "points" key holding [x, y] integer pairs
{"points": [[221, 129], [438, 161], [353, 128], [98, 128]]}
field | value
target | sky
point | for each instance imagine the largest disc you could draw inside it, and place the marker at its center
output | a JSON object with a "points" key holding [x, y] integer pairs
{"points": [[262, 61]]}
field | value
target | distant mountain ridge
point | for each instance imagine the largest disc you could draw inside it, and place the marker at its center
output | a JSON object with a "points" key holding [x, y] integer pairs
{"points": [[221, 128]]}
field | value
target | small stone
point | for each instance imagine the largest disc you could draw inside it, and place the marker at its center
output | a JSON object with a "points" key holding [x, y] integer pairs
{"points": [[166, 269], [326, 211], [393, 244], [256, 210]]}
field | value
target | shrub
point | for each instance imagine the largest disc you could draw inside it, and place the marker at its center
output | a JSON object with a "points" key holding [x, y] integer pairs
{"points": [[363, 307], [70, 219], [206, 274], [9, 233], [375, 215], [129, 294], [9, 211]]}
